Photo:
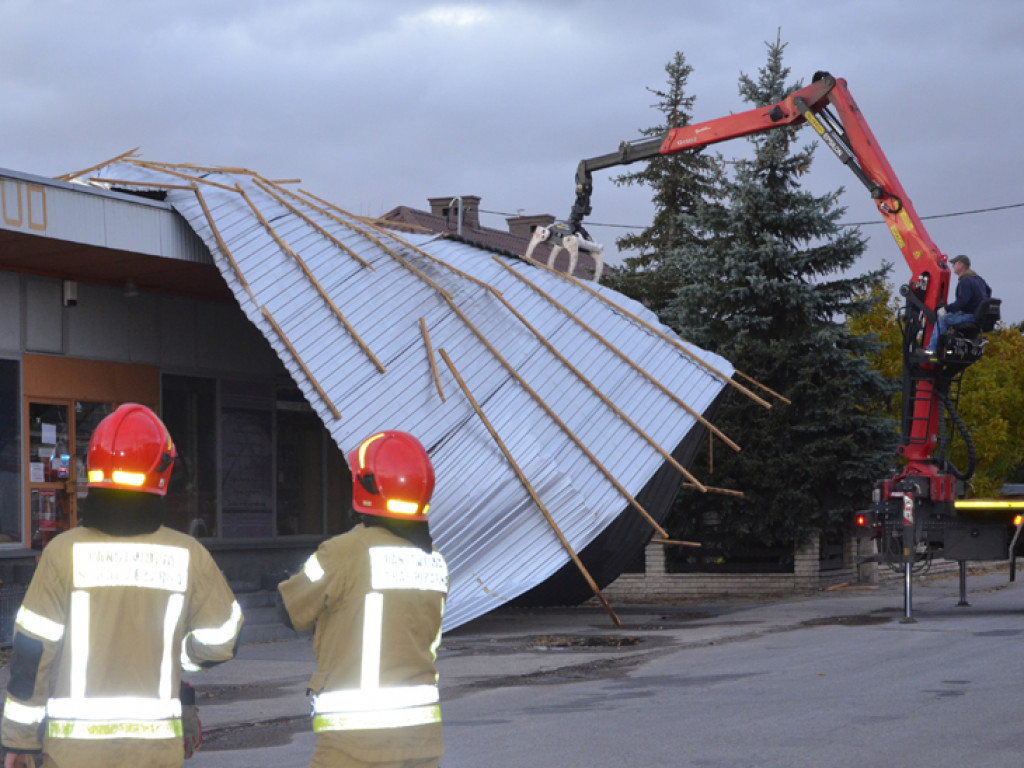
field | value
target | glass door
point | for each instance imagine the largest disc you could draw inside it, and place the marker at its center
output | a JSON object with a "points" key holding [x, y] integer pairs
{"points": [[58, 443], [49, 465]]}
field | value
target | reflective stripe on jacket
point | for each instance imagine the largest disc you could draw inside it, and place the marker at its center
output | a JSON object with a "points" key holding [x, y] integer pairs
{"points": [[108, 621], [376, 602]]}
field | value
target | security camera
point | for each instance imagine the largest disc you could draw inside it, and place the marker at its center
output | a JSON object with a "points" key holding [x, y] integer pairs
{"points": [[70, 293]]}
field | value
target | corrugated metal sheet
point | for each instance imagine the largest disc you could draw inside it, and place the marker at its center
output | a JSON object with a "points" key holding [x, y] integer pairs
{"points": [[554, 364]]}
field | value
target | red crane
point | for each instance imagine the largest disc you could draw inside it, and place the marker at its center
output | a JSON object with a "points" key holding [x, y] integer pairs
{"points": [[916, 514]]}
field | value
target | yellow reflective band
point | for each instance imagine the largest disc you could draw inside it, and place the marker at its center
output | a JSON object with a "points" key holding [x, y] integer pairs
{"points": [[186, 661], [128, 478], [988, 504], [128, 564], [22, 713], [79, 646], [113, 729], [95, 475], [313, 570], [403, 507], [364, 446], [171, 618], [407, 568], [40, 626], [117, 708], [373, 628], [225, 633], [380, 699], [362, 721]]}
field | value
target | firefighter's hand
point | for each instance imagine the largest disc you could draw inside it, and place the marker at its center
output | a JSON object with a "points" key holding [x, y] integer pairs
{"points": [[18, 760]]}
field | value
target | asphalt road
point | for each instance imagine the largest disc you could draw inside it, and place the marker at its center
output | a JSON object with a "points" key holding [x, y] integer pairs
{"points": [[852, 689], [831, 680]]}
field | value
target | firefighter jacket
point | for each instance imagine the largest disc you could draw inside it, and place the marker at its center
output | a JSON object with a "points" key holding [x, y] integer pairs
{"points": [[100, 640], [376, 601]]}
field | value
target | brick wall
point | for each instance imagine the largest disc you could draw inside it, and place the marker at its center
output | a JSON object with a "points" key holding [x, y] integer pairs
{"points": [[656, 584]]}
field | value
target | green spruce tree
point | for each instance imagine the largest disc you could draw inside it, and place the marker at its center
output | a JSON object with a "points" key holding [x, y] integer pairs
{"points": [[761, 288], [678, 183]]}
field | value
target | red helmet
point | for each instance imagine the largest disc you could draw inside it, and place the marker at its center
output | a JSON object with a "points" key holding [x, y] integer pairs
{"points": [[391, 476], [131, 450]]}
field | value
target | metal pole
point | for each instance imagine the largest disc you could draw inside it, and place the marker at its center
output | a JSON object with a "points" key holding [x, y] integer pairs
{"points": [[909, 526], [963, 585]]}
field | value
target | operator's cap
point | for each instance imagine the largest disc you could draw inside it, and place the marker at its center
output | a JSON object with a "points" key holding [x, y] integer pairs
{"points": [[961, 259]]}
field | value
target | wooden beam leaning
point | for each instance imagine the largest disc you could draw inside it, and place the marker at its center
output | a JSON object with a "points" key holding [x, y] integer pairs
{"points": [[298, 361], [530, 489], [430, 357], [713, 489], [621, 355], [266, 186], [221, 244], [558, 421], [766, 388], [162, 168], [602, 396], [127, 183], [658, 332], [391, 235], [513, 372], [90, 169], [312, 279]]}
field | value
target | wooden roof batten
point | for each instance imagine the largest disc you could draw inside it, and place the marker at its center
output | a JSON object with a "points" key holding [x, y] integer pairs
{"points": [[368, 231]]}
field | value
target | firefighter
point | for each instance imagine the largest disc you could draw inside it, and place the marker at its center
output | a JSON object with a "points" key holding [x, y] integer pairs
{"points": [[376, 596], [115, 609]]}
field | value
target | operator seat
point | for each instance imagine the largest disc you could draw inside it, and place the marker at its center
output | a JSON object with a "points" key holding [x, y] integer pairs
{"points": [[985, 318]]}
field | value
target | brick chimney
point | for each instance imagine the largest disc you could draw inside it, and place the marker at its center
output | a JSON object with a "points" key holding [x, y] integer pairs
{"points": [[523, 226], [448, 207]]}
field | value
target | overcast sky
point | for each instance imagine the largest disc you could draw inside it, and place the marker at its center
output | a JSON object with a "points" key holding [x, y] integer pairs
{"points": [[379, 103]]}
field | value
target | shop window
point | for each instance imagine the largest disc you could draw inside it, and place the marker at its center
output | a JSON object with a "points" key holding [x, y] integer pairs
{"points": [[300, 473], [10, 453], [189, 411], [247, 459]]}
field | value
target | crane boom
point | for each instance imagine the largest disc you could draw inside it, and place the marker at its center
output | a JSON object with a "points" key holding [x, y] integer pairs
{"points": [[914, 508]]}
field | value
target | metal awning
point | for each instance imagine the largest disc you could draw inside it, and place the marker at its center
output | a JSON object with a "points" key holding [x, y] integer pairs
{"points": [[545, 402]]}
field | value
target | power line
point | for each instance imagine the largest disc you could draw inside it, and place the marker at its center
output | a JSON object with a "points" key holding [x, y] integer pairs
{"points": [[851, 224]]}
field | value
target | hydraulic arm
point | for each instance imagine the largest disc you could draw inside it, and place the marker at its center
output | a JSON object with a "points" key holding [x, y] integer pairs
{"points": [[923, 492]]}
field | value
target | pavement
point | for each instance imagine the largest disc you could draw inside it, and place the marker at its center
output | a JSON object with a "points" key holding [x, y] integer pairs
{"points": [[258, 700], [266, 682]]}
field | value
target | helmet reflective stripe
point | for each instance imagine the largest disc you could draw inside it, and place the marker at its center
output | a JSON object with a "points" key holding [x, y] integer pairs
{"points": [[225, 633], [373, 625], [114, 729], [128, 478], [358, 721], [364, 445], [313, 570], [126, 564], [40, 626], [407, 568], [381, 699], [114, 708], [21, 713]]}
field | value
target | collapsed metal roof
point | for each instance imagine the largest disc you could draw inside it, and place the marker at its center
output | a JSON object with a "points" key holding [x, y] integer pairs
{"points": [[545, 402]]}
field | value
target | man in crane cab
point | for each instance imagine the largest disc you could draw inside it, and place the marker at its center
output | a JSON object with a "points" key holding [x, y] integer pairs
{"points": [[971, 290], [376, 597], [116, 607]]}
